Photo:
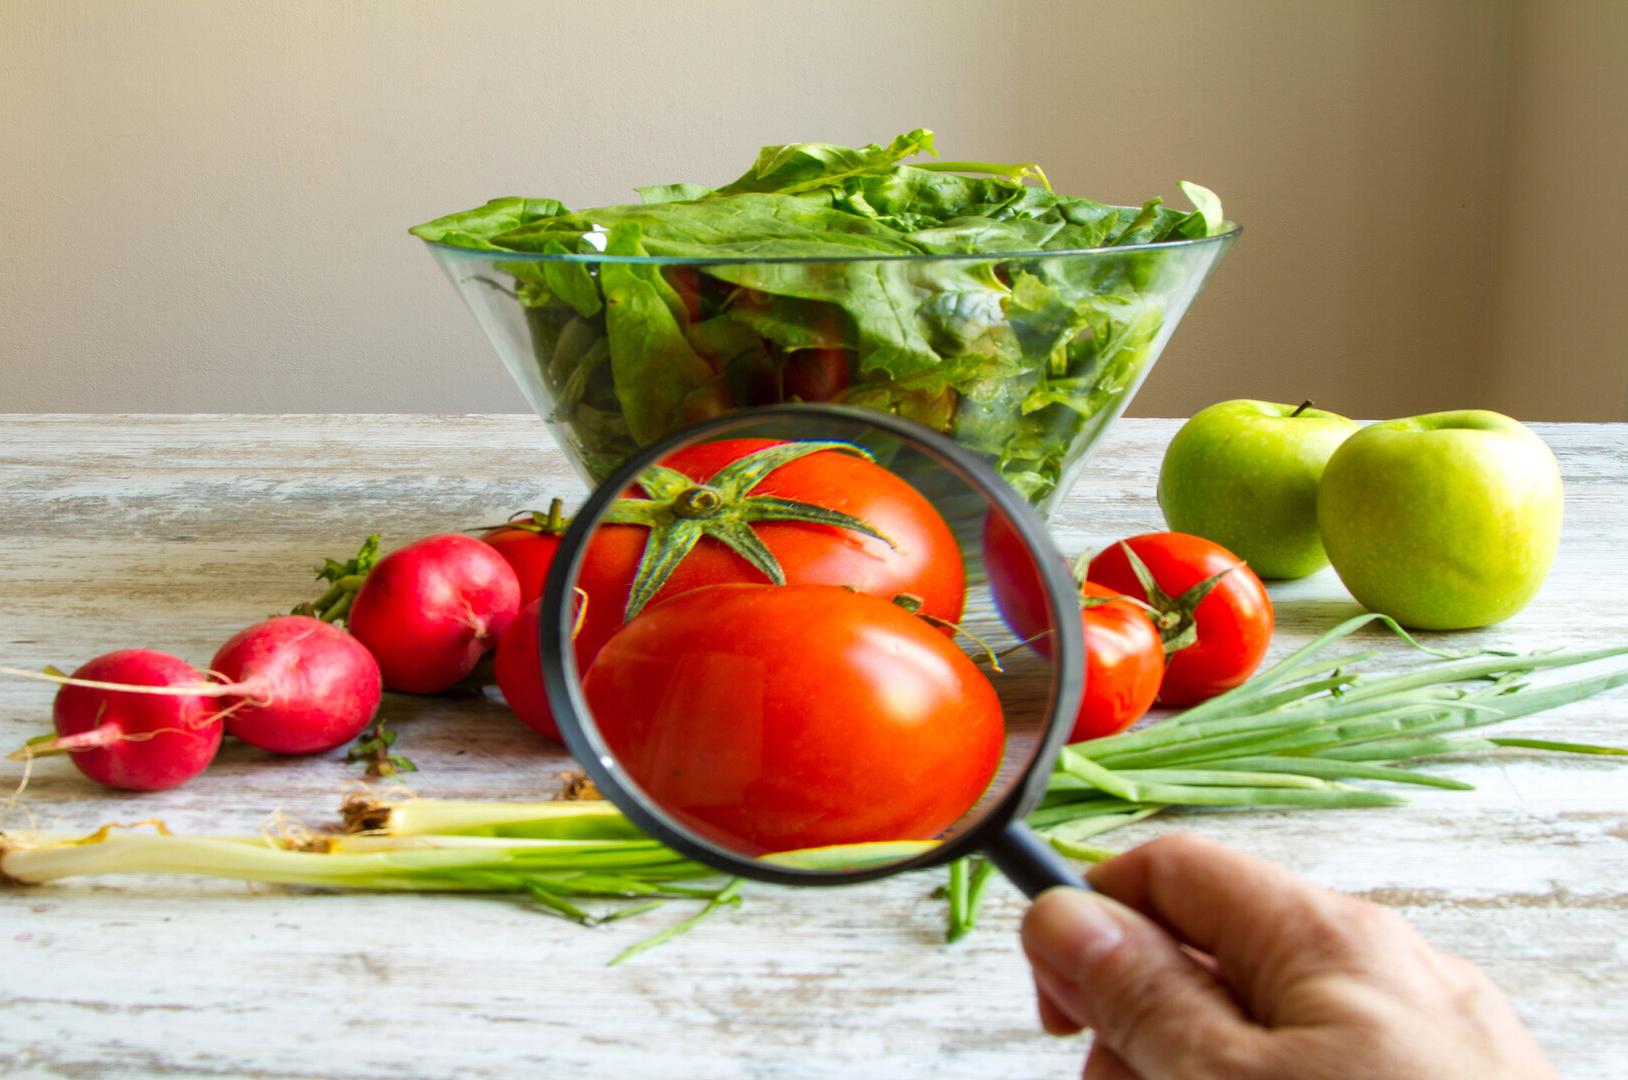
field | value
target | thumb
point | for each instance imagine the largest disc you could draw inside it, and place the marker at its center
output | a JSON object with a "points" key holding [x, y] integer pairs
{"points": [[1112, 970]]}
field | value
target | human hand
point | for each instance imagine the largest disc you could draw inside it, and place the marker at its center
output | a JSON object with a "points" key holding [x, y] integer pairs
{"points": [[1195, 961]]}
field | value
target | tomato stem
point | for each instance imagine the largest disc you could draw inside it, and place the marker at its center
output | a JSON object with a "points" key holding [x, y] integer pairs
{"points": [[679, 512], [1176, 616], [536, 522], [698, 502], [912, 603]]}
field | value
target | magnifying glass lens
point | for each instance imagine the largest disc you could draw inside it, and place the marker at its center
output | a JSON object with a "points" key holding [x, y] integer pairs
{"points": [[811, 644]]}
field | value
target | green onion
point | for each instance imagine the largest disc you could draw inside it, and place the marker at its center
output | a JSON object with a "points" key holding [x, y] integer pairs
{"points": [[1289, 736], [554, 853], [729, 894]]}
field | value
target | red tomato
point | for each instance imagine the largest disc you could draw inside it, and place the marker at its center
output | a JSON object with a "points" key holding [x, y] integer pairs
{"points": [[529, 552], [1124, 655], [1234, 622], [816, 374], [686, 282], [1014, 582], [774, 718], [706, 402], [1124, 664], [519, 669], [926, 560]]}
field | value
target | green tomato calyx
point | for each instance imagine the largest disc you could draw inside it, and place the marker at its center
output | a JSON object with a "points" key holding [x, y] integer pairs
{"points": [[552, 523], [698, 503], [1175, 616], [679, 512]]}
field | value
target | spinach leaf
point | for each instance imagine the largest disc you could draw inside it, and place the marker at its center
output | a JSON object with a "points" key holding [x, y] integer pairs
{"points": [[664, 193], [475, 228], [651, 360], [797, 167]]}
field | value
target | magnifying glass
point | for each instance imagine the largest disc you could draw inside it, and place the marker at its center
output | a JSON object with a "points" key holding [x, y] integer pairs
{"points": [[816, 645]]}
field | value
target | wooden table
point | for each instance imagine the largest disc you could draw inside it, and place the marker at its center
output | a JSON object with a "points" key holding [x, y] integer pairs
{"points": [[173, 532]]}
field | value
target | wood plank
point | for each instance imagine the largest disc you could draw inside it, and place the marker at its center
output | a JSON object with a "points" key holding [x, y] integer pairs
{"points": [[172, 532]]}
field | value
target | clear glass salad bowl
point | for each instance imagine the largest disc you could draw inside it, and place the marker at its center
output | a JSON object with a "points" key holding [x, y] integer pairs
{"points": [[1024, 358]]}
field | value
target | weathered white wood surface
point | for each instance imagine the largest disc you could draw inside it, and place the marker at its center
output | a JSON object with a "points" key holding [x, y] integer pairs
{"points": [[173, 532]]}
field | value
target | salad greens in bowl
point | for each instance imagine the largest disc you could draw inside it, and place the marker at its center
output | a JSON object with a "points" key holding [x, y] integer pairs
{"points": [[968, 296]]}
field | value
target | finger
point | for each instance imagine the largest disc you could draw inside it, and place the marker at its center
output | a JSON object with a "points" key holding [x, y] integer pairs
{"points": [[1053, 1020], [1103, 1064], [1112, 970], [1203, 960], [1199, 889], [1265, 927]]}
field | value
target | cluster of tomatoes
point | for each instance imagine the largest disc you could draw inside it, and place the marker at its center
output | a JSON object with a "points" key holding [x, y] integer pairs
{"points": [[1201, 629], [826, 750], [800, 762], [1165, 617]]}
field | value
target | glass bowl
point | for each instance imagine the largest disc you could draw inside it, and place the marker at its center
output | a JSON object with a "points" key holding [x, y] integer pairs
{"points": [[1024, 358]]}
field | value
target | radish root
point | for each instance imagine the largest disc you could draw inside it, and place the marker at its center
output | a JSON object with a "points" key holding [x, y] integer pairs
{"points": [[190, 690], [14, 802], [94, 739], [473, 621]]}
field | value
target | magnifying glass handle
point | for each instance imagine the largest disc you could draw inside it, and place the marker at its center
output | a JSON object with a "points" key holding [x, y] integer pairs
{"points": [[1029, 862]]}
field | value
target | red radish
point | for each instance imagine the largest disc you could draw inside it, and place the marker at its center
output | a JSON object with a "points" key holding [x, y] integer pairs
{"points": [[520, 672], [429, 611], [130, 739], [527, 543], [306, 686]]}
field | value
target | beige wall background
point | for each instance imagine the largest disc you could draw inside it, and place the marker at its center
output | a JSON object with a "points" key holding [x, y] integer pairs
{"points": [[203, 205]]}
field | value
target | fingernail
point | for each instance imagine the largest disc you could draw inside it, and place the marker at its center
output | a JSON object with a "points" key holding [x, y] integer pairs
{"points": [[1067, 929]]}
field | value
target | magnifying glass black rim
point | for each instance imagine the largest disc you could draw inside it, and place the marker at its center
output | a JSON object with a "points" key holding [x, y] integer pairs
{"points": [[563, 686]]}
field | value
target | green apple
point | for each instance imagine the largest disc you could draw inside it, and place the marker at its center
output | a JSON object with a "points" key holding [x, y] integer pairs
{"points": [[1443, 521], [1245, 474]]}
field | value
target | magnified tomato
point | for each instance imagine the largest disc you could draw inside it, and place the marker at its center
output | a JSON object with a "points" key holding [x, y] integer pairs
{"points": [[924, 558], [773, 718]]}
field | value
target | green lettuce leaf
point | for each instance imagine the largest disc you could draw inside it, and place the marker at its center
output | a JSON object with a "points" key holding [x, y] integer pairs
{"points": [[475, 228], [1021, 358], [652, 363]]}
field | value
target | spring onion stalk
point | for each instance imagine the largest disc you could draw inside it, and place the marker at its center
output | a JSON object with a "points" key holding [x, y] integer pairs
{"points": [[585, 819], [1294, 734], [729, 894], [419, 865], [553, 853]]}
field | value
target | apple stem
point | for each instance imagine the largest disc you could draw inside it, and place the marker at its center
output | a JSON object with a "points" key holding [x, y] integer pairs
{"points": [[1304, 405]]}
